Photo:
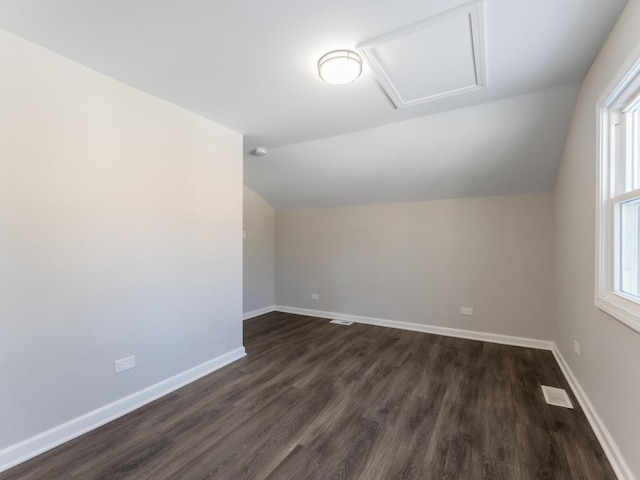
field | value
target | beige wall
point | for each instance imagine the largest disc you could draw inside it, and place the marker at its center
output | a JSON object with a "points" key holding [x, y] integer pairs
{"points": [[258, 252], [120, 234], [610, 352], [420, 262]]}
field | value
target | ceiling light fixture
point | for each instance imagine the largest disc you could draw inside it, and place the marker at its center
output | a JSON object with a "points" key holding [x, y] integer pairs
{"points": [[340, 66], [259, 152]]}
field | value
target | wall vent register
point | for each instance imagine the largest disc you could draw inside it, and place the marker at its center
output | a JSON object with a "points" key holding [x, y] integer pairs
{"points": [[556, 396], [341, 322]]}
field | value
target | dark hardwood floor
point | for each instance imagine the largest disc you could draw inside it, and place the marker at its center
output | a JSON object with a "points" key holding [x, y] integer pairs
{"points": [[319, 401]]}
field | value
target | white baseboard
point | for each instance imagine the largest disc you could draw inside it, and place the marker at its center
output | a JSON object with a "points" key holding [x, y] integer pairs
{"points": [[31, 447], [419, 327], [611, 450], [258, 312], [42, 442], [604, 437]]}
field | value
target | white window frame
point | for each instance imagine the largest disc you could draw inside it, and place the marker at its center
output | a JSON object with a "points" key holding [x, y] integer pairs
{"points": [[621, 95]]}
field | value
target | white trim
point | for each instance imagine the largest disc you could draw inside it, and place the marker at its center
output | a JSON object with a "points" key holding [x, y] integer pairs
{"points": [[474, 10], [615, 306], [611, 450], [31, 447], [419, 327], [258, 312], [619, 94]]}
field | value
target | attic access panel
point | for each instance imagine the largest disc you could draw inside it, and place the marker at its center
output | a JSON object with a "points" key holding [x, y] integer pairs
{"points": [[438, 57]]}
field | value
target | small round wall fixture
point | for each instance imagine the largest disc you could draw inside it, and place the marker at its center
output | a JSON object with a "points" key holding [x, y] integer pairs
{"points": [[259, 152], [340, 66]]}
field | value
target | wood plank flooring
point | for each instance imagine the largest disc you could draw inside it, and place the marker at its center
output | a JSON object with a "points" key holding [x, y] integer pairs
{"points": [[319, 401]]}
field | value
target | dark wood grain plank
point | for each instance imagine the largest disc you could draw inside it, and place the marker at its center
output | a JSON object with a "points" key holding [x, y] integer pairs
{"points": [[404, 439], [319, 401], [258, 444], [343, 451], [192, 439], [491, 469], [126, 463], [541, 455], [450, 448], [583, 460], [496, 413], [42, 467], [117, 437]]}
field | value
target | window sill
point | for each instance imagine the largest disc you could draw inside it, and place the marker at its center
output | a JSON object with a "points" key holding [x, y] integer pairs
{"points": [[621, 309]]}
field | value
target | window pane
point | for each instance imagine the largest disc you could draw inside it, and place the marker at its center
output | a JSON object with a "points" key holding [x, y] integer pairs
{"points": [[634, 146], [629, 242]]}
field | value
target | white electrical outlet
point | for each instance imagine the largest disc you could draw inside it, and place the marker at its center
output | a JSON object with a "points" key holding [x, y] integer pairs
{"points": [[576, 347], [466, 310], [124, 364], [315, 296]]}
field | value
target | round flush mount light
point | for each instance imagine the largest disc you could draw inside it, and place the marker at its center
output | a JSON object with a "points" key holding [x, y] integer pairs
{"points": [[340, 66]]}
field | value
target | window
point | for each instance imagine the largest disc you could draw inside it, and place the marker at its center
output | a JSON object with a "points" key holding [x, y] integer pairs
{"points": [[618, 282]]}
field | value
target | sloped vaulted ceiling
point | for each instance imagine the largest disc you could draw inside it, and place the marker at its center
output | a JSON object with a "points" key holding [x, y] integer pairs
{"points": [[251, 66]]}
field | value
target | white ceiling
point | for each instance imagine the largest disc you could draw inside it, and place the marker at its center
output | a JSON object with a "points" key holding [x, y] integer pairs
{"points": [[251, 65], [497, 148]]}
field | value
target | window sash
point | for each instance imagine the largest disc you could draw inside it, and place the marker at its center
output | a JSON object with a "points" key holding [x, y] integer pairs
{"points": [[619, 197], [625, 260]]}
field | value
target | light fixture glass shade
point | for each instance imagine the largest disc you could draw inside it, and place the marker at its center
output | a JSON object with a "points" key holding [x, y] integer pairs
{"points": [[340, 66]]}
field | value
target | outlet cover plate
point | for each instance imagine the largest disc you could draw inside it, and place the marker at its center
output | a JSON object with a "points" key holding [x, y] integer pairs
{"points": [[123, 364]]}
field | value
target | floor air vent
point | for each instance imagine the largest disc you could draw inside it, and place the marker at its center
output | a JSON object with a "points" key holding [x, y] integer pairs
{"points": [[341, 322], [556, 396]]}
